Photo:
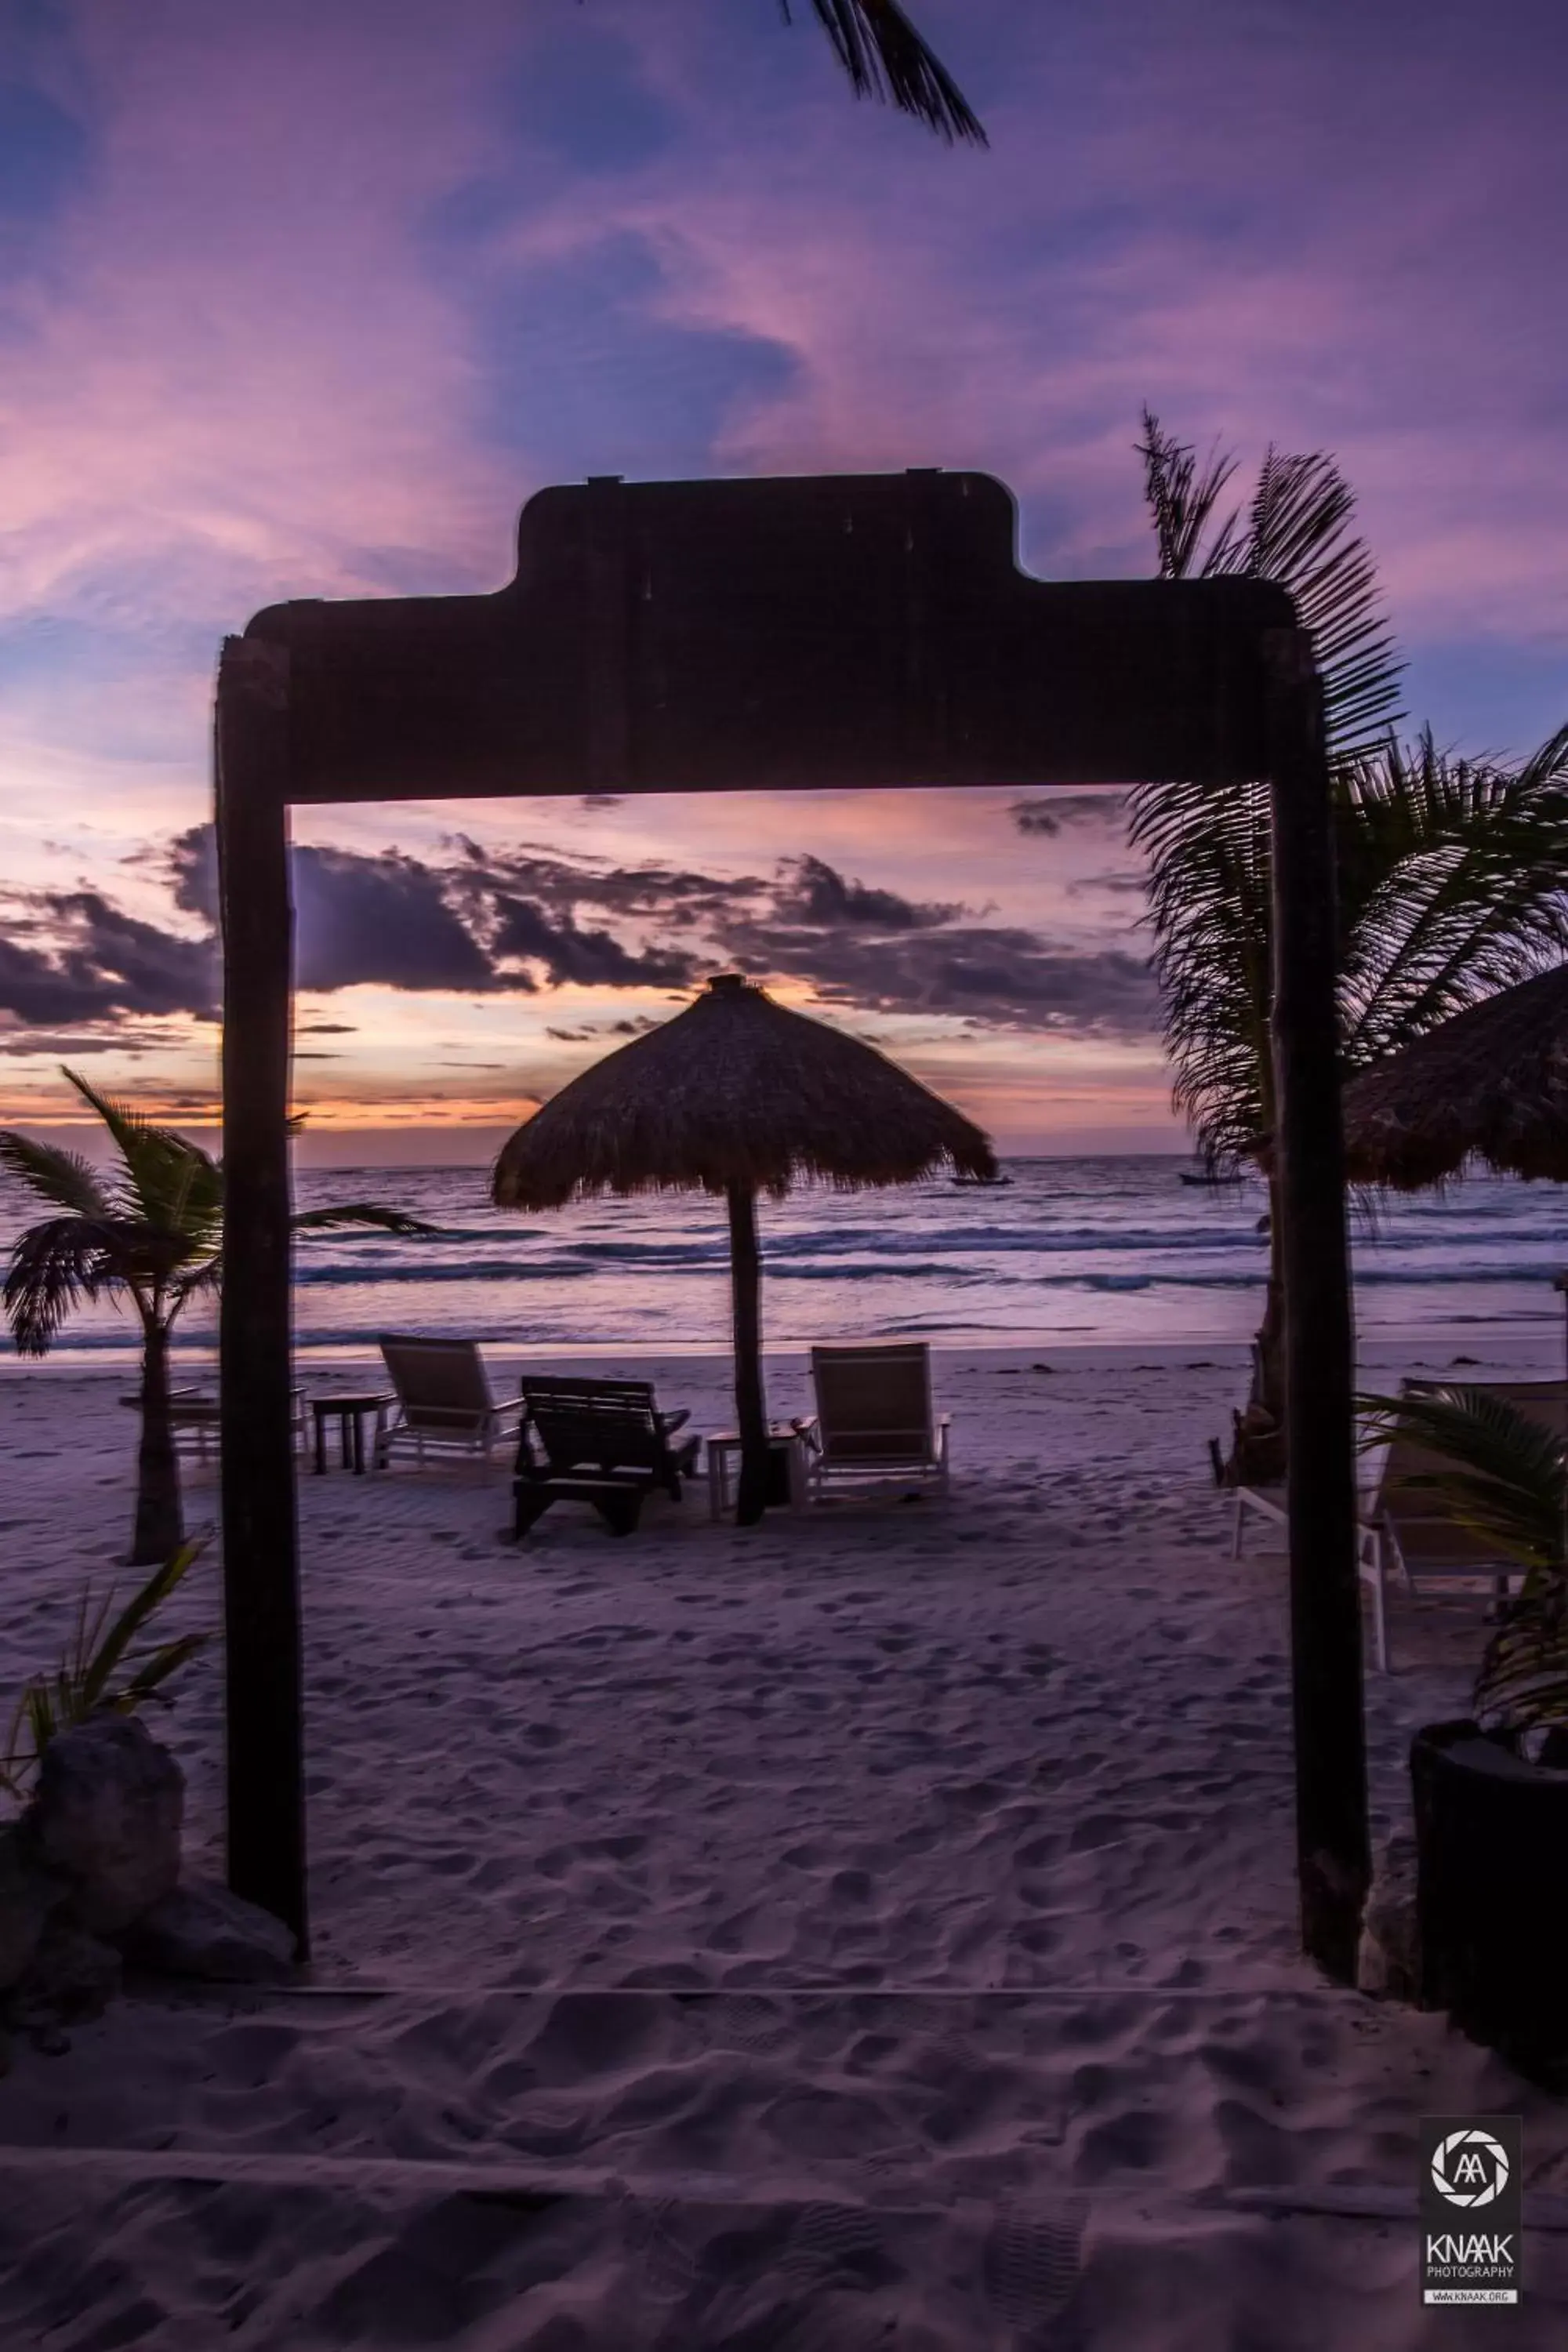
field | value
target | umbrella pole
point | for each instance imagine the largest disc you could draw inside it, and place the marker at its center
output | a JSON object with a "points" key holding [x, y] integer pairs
{"points": [[750, 1412]]}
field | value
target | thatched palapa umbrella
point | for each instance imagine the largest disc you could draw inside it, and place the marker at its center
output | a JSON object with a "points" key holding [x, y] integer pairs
{"points": [[737, 1096], [1490, 1084]]}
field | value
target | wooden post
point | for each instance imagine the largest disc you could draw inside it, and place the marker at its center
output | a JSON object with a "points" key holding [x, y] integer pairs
{"points": [[1332, 1856], [260, 1540], [751, 1412]]}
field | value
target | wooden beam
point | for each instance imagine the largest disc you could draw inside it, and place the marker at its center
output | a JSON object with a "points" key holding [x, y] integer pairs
{"points": [[860, 631], [855, 630], [1332, 1857], [265, 1793], [607, 636]]}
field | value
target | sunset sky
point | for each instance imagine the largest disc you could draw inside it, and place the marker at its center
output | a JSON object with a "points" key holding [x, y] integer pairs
{"points": [[307, 300]]}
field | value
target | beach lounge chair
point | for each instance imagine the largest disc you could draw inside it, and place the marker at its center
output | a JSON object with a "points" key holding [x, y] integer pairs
{"points": [[1414, 1529], [1270, 1506], [611, 1429], [194, 1416], [1407, 1527], [873, 1430], [444, 1402]]}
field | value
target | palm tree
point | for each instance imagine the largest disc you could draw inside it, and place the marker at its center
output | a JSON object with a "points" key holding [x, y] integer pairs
{"points": [[1449, 871], [885, 57], [152, 1230]]}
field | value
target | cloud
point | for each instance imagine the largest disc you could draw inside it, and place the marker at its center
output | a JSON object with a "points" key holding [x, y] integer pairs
{"points": [[813, 892], [98, 962], [564, 883], [585, 959], [488, 920], [358, 920], [997, 975], [1060, 813], [1130, 883], [366, 920]]}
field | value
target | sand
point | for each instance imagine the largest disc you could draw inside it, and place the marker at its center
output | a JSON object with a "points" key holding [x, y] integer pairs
{"points": [[872, 1929]]}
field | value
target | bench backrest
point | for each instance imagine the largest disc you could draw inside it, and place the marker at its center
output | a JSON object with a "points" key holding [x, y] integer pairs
{"points": [[613, 1424], [873, 1402]]}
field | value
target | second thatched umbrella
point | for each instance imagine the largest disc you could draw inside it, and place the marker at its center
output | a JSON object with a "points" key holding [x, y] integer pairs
{"points": [[1490, 1084], [737, 1096]]}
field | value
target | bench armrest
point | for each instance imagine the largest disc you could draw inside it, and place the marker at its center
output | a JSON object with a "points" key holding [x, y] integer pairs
{"points": [[670, 1422]]}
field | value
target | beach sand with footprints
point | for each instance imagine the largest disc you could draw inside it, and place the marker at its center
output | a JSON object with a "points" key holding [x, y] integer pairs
{"points": [[875, 1928]]}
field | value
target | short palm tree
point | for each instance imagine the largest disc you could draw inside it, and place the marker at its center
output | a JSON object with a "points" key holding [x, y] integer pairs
{"points": [[1449, 872], [152, 1230]]}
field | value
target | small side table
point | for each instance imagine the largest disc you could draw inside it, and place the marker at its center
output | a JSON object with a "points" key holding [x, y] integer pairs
{"points": [[351, 1412], [788, 1465]]}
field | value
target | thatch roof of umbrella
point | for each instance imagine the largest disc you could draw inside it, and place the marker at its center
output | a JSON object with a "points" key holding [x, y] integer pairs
{"points": [[1490, 1084], [736, 1091]]}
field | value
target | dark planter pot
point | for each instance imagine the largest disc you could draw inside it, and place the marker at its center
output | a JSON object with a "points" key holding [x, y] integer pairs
{"points": [[1491, 1899]]}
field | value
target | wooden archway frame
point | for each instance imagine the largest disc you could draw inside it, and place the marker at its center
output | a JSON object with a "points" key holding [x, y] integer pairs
{"points": [[853, 630]]}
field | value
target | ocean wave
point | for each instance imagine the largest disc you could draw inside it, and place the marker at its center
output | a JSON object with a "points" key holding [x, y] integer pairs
{"points": [[411, 1273], [371, 1278]]}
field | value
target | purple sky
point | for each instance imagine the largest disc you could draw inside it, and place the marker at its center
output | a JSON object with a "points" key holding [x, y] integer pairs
{"points": [[307, 300]]}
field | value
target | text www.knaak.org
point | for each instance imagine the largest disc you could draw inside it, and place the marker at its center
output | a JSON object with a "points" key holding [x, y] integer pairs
{"points": [[1470, 2268]]}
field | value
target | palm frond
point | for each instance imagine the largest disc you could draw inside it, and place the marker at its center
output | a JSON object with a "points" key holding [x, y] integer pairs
{"points": [[84, 1683], [1452, 886], [166, 1178], [886, 58], [359, 1213], [126, 1125], [1207, 858], [1208, 846], [52, 1267], [105, 1651], [1521, 1689], [1503, 1474], [1181, 501], [1297, 532], [64, 1179]]}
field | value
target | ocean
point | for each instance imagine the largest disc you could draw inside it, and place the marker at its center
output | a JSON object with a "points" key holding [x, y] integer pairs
{"points": [[1069, 1251]]}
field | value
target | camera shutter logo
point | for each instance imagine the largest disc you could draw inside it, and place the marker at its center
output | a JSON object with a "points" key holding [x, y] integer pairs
{"points": [[1470, 2169]]}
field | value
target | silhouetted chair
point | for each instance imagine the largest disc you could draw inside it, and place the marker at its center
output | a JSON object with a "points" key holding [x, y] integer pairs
{"points": [[612, 1427]]}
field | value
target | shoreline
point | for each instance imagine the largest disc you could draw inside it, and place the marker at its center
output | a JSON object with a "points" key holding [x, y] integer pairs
{"points": [[1538, 1339]]}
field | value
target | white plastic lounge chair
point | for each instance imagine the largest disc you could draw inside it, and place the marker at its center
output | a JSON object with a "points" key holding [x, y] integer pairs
{"points": [[873, 1430], [1270, 1505], [444, 1402]]}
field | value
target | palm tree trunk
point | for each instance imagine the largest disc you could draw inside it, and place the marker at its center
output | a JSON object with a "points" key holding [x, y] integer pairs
{"points": [[160, 1525], [751, 1412], [1258, 1450]]}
